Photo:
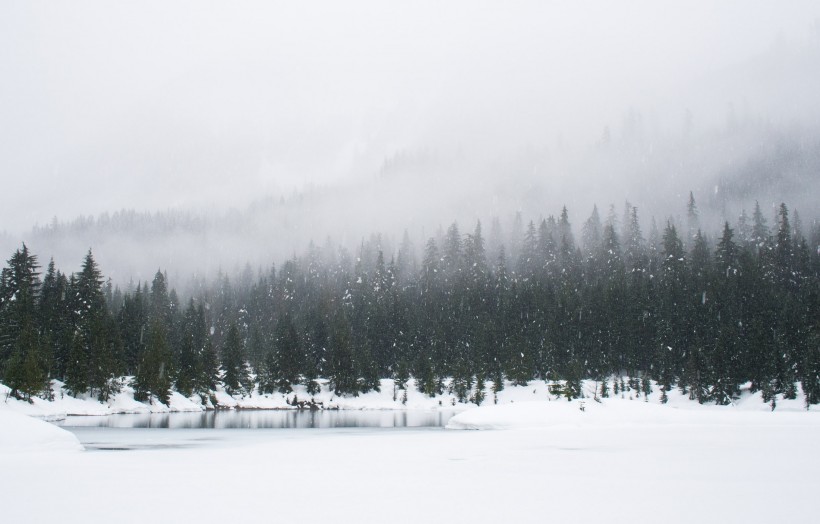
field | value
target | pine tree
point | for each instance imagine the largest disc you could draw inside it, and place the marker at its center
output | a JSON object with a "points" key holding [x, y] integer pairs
{"points": [[405, 260], [77, 366], [211, 372], [591, 236], [604, 392], [153, 376], [341, 365], [672, 333], [288, 353], [609, 256], [760, 232], [54, 321], [236, 374], [692, 219], [133, 321], [783, 250], [726, 252], [188, 365], [452, 252], [478, 396], [93, 331], [546, 255], [527, 261], [23, 366]]}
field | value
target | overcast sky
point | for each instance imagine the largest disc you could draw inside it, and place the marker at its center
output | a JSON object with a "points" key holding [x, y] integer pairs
{"points": [[150, 105]]}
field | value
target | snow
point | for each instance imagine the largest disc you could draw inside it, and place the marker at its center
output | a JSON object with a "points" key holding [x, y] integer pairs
{"points": [[535, 414], [123, 402], [614, 413], [540, 458], [65, 404], [614, 461], [388, 398], [543, 458], [22, 434]]}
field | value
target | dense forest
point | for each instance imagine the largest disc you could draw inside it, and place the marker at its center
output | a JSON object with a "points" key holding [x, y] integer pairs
{"points": [[703, 313]]}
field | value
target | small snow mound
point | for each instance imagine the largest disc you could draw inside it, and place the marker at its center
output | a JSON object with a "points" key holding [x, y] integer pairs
{"points": [[579, 412], [21, 433], [535, 414]]}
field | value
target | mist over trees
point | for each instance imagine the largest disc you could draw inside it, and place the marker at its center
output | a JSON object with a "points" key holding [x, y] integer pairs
{"points": [[726, 166], [701, 309]]}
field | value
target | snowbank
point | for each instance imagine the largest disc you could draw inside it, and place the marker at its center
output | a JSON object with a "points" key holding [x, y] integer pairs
{"points": [[65, 404], [559, 412], [388, 398], [625, 412], [21, 433]]}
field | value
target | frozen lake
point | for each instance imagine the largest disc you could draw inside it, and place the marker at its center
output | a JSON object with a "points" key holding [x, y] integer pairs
{"points": [[705, 464], [181, 430], [266, 419]]}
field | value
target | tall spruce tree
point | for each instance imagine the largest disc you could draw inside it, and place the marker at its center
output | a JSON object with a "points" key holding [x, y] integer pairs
{"points": [[23, 362], [153, 376], [236, 377], [93, 349]]}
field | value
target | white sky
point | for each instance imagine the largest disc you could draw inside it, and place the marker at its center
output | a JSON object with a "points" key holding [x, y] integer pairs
{"points": [[149, 105]]}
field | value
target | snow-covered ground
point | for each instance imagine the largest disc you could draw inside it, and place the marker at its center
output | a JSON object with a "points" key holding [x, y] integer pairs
{"points": [[387, 398], [619, 460], [123, 402], [22, 434]]}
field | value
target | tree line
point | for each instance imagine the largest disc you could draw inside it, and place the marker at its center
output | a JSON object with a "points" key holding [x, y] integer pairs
{"points": [[703, 314]]}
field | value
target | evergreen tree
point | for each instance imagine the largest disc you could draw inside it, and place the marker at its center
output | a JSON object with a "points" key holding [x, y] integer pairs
{"points": [[288, 352], [452, 253], [783, 250], [726, 253], [22, 363], [592, 235], [342, 366], [92, 325], [133, 322], [54, 321], [211, 371], [760, 232], [546, 250], [692, 219], [527, 262], [153, 376], [405, 260], [188, 365], [236, 377]]}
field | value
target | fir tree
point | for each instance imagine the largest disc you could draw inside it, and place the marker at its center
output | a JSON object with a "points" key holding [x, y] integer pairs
{"points": [[211, 372], [236, 374], [188, 361], [153, 376], [288, 352], [22, 363], [692, 219], [91, 322], [341, 365]]}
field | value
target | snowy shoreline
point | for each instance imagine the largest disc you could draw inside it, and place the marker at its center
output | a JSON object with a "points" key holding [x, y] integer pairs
{"points": [[389, 398]]}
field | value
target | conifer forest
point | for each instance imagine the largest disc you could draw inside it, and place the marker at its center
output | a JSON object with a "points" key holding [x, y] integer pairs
{"points": [[606, 300], [409, 262]]}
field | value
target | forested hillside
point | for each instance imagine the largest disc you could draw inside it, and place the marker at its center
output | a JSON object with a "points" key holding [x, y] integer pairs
{"points": [[417, 189], [701, 311]]}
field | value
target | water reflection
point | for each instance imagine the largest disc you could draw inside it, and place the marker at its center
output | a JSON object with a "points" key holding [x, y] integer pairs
{"points": [[267, 419]]}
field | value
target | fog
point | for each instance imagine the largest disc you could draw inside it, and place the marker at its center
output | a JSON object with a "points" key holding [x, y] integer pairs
{"points": [[239, 133]]}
